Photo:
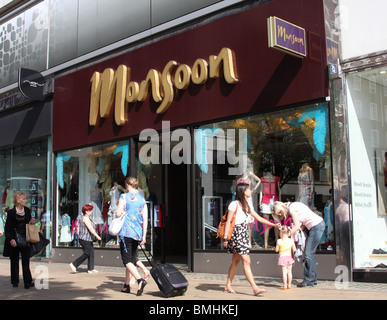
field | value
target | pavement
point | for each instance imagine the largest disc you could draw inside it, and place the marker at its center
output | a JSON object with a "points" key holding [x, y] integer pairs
{"points": [[55, 281]]}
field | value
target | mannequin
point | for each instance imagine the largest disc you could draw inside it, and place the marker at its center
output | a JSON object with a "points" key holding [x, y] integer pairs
{"points": [[247, 177], [306, 185], [97, 200], [5, 191], [65, 232], [115, 193], [271, 192], [250, 178]]}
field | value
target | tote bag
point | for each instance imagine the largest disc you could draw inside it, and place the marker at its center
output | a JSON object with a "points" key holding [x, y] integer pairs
{"points": [[116, 225], [32, 233]]}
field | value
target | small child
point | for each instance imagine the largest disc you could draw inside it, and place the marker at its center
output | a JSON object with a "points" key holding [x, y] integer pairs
{"points": [[285, 246]]}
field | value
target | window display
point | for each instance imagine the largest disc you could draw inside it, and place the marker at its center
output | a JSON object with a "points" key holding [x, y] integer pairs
{"points": [[367, 119], [24, 168], [95, 176], [284, 155]]}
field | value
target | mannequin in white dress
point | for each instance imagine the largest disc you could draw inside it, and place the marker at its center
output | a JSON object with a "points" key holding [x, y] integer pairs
{"points": [[305, 185]]}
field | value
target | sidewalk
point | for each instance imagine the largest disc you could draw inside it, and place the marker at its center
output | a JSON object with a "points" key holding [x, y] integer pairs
{"points": [[60, 284]]}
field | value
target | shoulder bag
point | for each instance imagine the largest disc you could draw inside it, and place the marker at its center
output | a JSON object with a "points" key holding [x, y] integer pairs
{"points": [[222, 225], [38, 246], [116, 225], [20, 239]]}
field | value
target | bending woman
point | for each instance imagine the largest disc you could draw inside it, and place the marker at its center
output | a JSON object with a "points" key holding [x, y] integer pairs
{"points": [[238, 245], [302, 217]]}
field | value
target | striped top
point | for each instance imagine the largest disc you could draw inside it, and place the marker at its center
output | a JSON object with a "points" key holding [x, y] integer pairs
{"points": [[84, 232]]}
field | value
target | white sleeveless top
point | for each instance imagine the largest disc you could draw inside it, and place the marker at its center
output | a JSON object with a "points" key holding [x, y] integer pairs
{"points": [[241, 217]]}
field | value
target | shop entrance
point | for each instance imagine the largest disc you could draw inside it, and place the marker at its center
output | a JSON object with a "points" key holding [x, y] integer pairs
{"points": [[165, 185], [176, 230]]}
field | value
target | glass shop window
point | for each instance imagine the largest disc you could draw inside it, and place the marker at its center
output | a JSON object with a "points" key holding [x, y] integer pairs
{"points": [[285, 155], [92, 175], [367, 123], [24, 168]]}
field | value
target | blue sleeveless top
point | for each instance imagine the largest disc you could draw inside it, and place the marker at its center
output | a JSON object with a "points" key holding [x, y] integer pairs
{"points": [[133, 223]]}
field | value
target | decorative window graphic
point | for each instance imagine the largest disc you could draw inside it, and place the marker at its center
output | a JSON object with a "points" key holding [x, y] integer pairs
{"points": [[23, 43]]}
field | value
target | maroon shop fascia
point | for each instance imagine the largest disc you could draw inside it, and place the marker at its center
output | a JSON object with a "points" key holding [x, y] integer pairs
{"points": [[267, 79]]}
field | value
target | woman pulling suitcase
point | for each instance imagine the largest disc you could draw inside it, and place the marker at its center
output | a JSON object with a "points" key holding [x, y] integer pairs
{"points": [[133, 233]]}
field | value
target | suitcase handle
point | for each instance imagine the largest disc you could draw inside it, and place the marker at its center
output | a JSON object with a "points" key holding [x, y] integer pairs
{"points": [[152, 265], [146, 256]]}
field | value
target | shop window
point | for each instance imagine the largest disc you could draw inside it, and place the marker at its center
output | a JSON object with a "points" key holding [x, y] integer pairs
{"points": [[368, 160], [285, 155], [93, 175], [5, 174], [24, 168]]}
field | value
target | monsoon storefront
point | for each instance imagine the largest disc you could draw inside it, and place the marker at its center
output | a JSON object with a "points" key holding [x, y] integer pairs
{"points": [[188, 115]]}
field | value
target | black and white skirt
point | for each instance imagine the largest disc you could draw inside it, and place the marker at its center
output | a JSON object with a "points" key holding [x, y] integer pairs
{"points": [[239, 242]]}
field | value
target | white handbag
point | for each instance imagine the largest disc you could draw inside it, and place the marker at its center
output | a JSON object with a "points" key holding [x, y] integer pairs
{"points": [[116, 225]]}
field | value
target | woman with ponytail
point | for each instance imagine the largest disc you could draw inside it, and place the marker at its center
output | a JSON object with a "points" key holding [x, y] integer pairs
{"points": [[238, 245]]}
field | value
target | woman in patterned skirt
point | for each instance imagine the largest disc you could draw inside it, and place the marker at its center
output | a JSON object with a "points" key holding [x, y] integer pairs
{"points": [[238, 245]]}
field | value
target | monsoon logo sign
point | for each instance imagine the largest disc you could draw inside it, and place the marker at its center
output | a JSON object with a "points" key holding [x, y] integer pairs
{"points": [[287, 37]]}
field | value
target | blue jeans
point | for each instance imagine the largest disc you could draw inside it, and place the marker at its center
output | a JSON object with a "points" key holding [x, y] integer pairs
{"points": [[312, 242]]}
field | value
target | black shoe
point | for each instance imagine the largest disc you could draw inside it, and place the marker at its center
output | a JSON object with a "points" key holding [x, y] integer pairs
{"points": [[142, 286], [379, 251], [29, 285], [126, 288], [305, 284], [15, 285], [380, 265]]}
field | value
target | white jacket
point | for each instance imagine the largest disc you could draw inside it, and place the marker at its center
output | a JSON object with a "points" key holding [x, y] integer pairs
{"points": [[300, 237]]}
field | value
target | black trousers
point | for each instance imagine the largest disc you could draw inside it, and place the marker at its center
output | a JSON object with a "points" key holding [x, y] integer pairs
{"points": [[25, 260], [88, 253]]}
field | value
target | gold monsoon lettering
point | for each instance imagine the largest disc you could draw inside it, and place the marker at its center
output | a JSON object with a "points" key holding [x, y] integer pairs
{"points": [[288, 37], [113, 87]]}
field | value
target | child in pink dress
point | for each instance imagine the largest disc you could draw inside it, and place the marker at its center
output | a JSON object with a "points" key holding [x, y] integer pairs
{"points": [[285, 246]]}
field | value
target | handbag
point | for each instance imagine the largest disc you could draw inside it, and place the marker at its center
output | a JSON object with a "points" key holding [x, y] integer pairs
{"points": [[222, 226], [20, 239], [116, 225], [38, 246], [32, 233]]}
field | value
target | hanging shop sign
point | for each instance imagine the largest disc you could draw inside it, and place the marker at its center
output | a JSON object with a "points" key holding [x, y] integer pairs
{"points": [[31, 84], [332, 51], [286, 37], [114, 88]]}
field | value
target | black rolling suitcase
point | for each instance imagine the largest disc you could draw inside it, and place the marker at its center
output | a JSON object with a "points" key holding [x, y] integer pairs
{"points": [[168, 278]]}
